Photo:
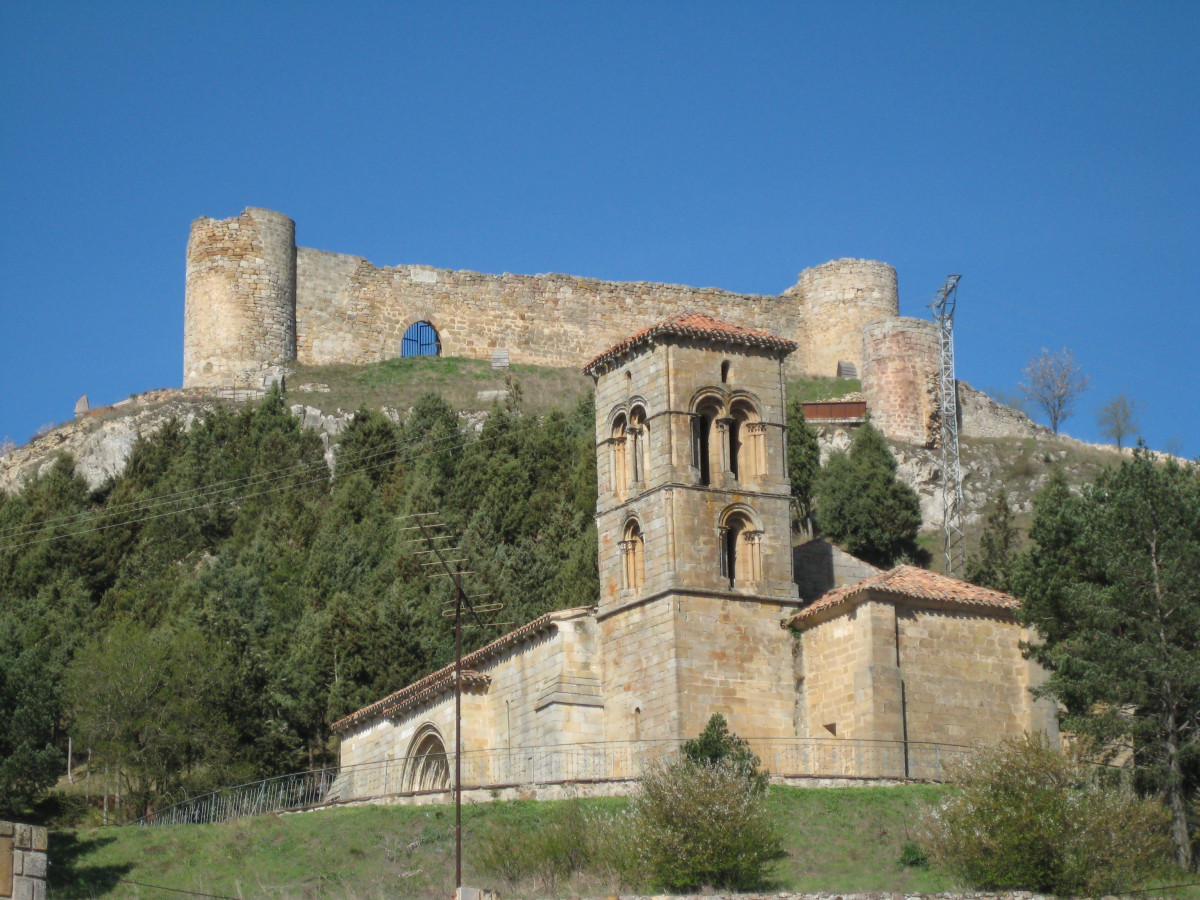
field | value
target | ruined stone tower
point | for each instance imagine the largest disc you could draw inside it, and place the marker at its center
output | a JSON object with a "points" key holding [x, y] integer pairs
{"points": [[239, 321], [694, 529]]}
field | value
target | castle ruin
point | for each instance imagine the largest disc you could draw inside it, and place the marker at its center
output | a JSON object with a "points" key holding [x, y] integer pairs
{"points": [[255, 302]]}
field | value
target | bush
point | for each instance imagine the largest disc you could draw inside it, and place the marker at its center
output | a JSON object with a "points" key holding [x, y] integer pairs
{"points": [[864, 507], [571, 842], [1027, 816], [717, 744], [698, 824]]}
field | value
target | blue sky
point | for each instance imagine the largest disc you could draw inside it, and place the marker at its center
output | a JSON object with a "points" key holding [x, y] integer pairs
{"points": [[1046, 151]]}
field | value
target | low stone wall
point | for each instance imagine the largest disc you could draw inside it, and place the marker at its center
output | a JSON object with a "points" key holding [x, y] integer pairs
{"points": [[23, 861]]}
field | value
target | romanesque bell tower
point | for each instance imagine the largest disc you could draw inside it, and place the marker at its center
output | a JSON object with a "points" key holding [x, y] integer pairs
{"points": [[694, 530]]}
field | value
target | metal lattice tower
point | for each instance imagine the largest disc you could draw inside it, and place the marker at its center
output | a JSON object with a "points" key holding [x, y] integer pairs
{"points": [[952, 490]]}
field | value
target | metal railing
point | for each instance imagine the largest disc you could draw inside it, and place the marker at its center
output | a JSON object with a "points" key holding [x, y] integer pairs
{"points": [[499, 768]]}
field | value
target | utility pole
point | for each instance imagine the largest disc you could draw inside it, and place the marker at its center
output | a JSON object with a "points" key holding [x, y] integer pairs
{"points": [[443, 554], [952, 492]]}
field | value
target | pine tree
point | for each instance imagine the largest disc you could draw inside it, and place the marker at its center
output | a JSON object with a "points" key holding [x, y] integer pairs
{"points": [[862, 506], [1112, 585], [991, 566], [803, 458]]}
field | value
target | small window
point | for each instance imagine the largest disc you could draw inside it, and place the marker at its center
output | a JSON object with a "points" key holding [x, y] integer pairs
{"points": [[747, 443], [633, 555], [706, 442], [420, 340], [741, 559], [725, 372], [639, 440], [618, 458]]}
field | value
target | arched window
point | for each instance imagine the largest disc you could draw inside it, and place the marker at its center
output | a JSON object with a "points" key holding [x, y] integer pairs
{"points": [[706, 441], [618, 454], [633, 555], [426, 768], [741, 550], [747, 443], [639, 439], [420, 340]]}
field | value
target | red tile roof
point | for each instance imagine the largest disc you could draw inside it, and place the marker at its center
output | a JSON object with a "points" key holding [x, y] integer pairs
{"points": [[695, 325], [910, 581], [434, 683]]}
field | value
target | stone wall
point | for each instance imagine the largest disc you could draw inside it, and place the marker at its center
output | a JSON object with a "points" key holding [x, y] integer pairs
{"points": [[892, 670], [899, 378], [240, 300], [981, 416], [820, 566], [255, 300], [23, 861]]}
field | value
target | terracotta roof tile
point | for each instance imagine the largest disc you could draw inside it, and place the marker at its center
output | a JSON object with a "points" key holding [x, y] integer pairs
{"points": [[435, 682], [695, 325], [910, 581]]}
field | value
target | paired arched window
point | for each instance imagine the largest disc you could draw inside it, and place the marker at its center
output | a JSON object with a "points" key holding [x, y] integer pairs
{"points": [[741, 549], [420, 340], [633, 555], [733, 442], [427, 768]]}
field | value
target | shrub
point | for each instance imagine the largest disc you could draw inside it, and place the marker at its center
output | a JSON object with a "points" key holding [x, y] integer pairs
{"points": [[717, 744], [1027, 816], [703, 824], [570, 842]]}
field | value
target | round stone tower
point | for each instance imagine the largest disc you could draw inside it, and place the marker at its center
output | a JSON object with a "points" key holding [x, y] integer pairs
{"points": [[900, 378], [239, 322], [837, 300]]}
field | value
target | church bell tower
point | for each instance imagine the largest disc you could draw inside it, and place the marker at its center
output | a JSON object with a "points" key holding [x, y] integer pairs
{"points": [[693, 515]]}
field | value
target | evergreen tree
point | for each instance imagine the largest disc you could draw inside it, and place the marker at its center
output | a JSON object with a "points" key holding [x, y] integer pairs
{"points": [[991, 566], [862, 506], [803, 458], [1112, 585]]}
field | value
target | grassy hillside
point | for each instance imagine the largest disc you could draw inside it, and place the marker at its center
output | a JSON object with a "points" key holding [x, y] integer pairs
{"points": [[837, 839], [397, 383]]}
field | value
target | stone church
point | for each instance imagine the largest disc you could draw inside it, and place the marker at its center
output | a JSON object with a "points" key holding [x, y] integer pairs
{"points": [[878, 679]]}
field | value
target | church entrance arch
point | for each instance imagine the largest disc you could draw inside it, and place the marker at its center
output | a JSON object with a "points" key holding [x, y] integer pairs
{"points": [[427, 767], [421, 339]]}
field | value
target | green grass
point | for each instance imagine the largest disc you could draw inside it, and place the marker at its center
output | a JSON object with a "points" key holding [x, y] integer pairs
{"points": [[397, 383], [810, 390], [845, 839]]}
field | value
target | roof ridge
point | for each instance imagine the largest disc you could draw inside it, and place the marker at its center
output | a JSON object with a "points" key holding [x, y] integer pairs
{"points": [[695, 325], [475, 656]]}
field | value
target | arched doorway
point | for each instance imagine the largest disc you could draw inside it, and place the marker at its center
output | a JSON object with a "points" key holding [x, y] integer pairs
{"points": [[420, 340], [427, 768]]}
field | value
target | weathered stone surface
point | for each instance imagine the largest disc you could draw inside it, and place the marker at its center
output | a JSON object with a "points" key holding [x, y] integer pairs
{"points": [[82, 405]]}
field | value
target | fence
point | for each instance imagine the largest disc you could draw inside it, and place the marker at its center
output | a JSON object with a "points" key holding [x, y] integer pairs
{"points": [[498, 768]]}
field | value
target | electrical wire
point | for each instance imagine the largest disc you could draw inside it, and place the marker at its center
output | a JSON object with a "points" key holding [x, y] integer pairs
{"points": [[210, 494], [137, 506]]}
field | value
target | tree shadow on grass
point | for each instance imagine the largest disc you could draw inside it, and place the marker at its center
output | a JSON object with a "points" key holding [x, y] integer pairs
{"points": [[70, 878]]}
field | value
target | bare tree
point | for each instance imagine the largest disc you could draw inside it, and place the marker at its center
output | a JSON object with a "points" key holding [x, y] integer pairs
{"points": [[1054, 382], [1118, 419]]}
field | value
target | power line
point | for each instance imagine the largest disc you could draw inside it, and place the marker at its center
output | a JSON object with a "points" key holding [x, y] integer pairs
{"points": [[214, 487]]}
